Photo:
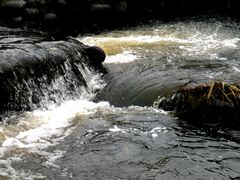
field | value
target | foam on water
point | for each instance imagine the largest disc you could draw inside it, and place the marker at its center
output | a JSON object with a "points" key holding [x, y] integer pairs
{"points": [[125, 57], [155, 132], [35, 131], [236, 69], [53, 123], [50, 128], [123, 46], [116, 129], [132, 38], [54, 127], [201, 44], [40, 129]]}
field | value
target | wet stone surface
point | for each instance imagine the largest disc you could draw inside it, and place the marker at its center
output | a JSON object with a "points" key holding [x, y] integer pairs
{"points": [[31, 62]]}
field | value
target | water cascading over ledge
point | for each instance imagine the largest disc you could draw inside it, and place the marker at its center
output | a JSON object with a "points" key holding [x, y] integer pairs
{"points": [[35, 72]]}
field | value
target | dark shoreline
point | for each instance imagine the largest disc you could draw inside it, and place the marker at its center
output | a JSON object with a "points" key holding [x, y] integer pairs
{"points": [[72, 17]]}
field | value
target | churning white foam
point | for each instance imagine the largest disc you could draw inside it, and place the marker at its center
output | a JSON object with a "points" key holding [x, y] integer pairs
{"points": [[117, 129], [54, 126], [155, 132], [236, 69], [200, 44], [191, 43], [39, 129], [53, 123], [125, 57], [131, 38]]}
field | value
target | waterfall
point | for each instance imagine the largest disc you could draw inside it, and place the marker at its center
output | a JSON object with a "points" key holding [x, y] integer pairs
{"points": [[35, 73]]}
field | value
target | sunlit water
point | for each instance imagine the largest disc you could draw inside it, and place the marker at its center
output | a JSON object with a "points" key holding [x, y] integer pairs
{"points": [[118, 134]]}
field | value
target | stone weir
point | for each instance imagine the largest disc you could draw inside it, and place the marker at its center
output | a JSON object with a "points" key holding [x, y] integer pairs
{"points": [[35, 71]]}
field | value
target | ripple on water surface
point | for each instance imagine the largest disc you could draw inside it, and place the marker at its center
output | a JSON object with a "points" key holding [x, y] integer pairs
{"points": [[150, 61], [82, 139]]}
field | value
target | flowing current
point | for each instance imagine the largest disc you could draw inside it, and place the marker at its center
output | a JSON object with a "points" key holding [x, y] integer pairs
{"points": [[117, 133]]}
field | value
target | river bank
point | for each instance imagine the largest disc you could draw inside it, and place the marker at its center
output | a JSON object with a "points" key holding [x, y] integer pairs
{"points": [[71, 17]]}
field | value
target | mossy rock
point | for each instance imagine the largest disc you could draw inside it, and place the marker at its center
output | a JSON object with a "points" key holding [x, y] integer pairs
{"points": [[215, 102]]}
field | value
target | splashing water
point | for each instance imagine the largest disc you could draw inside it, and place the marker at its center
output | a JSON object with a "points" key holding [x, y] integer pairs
{"points": [[31, 132], [120, 135]]}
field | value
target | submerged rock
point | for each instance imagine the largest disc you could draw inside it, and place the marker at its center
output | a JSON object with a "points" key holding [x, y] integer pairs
{"points": [[215, 102]]}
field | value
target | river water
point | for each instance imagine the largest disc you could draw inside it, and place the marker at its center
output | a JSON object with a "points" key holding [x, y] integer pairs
{"points": [[113, 130]]}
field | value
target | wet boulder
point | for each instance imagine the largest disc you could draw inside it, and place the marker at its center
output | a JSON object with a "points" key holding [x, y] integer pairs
{"points": [[96, 54], [211, 103], [35, 70], [14, 4]]}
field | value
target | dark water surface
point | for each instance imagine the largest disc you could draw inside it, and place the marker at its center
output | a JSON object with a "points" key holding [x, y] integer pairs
{"points": [[121, 135]]}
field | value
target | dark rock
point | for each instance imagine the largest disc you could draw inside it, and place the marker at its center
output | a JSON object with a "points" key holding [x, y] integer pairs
{"points": [[31, 12], [14, 4], [62, 2], [96, 8], [17, 20], [50, 17], [30, 65], [37, 3], [168, 103], [211, 103], [96, 55], [122, 6]]}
